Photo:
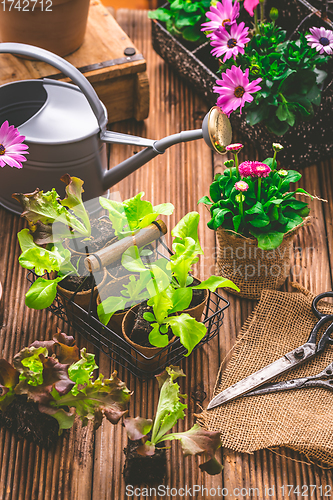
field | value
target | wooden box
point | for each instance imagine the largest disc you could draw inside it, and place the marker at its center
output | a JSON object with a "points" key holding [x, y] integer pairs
{"points": [[107, 58]]}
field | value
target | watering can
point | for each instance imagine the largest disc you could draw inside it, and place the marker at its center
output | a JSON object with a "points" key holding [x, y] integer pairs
{"points": [[65, 129]]}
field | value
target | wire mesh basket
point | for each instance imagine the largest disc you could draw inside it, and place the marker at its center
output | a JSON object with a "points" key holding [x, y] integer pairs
{"points": [[87, 324]]}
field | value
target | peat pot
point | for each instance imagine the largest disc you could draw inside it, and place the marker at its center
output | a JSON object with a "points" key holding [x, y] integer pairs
{"points": [[55, 25]]}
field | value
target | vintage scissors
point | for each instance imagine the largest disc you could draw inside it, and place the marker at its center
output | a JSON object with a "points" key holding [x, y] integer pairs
{"points": [[290, 360], [324, 379]]}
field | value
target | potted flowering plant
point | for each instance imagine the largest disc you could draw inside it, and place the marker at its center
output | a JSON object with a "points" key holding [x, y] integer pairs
{"points": [[49, 383], [255, 215], [145, 460], [273, 81]]}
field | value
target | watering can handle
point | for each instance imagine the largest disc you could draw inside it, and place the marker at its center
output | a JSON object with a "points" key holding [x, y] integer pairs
{"points": [[66, 68]]}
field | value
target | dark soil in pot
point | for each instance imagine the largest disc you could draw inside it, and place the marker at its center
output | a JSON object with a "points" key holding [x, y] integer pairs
{"points": [[142, 328], [28, 422], [102, 233], [143, 470], [72, 283], [198, 295]]}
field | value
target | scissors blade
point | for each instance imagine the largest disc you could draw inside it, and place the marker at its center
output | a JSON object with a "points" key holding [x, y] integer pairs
{"points": [[261, 377], [287, 385]]}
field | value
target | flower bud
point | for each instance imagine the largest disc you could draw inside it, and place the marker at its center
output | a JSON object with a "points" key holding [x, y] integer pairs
{"points": [[255, 69], [274, 14], [229, 163], [239, 197], [282, 173], [277, 147]]}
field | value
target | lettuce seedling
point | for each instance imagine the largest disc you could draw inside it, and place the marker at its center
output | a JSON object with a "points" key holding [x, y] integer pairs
{"points": [[52, 374], [54, 258], [133, 214], [52, 219], [195, 441], [186, 248], [166, 304]]}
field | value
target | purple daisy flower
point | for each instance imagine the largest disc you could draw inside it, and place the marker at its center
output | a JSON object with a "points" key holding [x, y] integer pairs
{"points": [[230, 44], [224, 14], [321, 40], [11, 147], [250, 5], [235, 89]]}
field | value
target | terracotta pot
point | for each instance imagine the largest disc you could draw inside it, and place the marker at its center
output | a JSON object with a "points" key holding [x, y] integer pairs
{"points": [[148, 352], [113, 288], [82, 299], [55, 25], [197, 311]]}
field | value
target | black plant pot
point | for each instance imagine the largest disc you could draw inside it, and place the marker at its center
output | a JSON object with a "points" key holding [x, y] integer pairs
{"points": [[143, 470], [308, 142]]}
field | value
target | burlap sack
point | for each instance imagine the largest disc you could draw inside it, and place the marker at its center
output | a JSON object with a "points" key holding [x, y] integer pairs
{"points": [[298, 419], [252, 269]]}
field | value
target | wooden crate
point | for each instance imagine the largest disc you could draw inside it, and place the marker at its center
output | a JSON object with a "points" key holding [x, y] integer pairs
{"points": [[120, 81]]}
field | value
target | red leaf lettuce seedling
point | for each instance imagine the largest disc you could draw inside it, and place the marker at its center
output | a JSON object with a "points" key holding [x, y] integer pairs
{"points": [[195, 441]]}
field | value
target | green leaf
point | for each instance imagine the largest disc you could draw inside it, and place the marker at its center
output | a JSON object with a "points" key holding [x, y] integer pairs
{"points": [[188, 227], [181, 299], [155, 337], [236, 220], [188, 330], [164, 209], [282, 112], [107, 308], [185, 255], [268, 241], [257, 115], [314, 95], [260, 221], [161, 304], [148, 316], [192, 33], [214, 282], [81, 371], [160, 14], [215, 191], [170, 408], [137, 427], [42, 293], [131, 260], [256, 209], [205, 199]]}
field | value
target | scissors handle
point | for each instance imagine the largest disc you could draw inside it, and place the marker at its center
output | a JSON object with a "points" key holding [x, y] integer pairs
{"points": [[323, 318]]}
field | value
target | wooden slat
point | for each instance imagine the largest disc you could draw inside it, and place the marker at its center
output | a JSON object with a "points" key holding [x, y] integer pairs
{"points": [[85, 464]]}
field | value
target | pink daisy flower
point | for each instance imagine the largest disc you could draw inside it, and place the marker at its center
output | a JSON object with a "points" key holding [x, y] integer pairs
{"points": [[321, 40], [224, 14], [11, 147], [250, 5], [260, 169], [230, 44], [234, 148], [245, 168], [241, 186], [235, 89]]}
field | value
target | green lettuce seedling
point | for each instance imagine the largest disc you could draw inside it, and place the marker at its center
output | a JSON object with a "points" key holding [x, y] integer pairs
{"points": [[186, 248], [195, 441], [133, 214], [54, 258]]}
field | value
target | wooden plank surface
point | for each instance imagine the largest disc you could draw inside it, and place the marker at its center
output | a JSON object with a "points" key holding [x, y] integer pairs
{"points": [[86, 465]]}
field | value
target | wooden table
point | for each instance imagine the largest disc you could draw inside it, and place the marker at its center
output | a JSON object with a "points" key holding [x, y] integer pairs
{"points": [[86, 465]]}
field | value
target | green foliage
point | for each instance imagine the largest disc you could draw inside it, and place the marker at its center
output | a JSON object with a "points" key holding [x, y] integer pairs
{"points": [[51, 374], [290, 78], [196, 441], [268, 218], [183, 18], [133, 214]]}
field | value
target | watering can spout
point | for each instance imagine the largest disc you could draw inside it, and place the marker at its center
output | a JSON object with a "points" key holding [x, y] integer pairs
{"points": [[216, 131]]}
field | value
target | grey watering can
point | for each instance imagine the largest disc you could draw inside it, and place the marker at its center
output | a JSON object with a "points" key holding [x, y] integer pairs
{"points": [[65, 129]]}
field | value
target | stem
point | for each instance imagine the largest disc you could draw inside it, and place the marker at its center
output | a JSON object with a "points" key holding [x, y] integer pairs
{"points": [[262, 13], [230, 173], [236, 165], [274, 161], [259, 189], [241, 208], [256, 21]]}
